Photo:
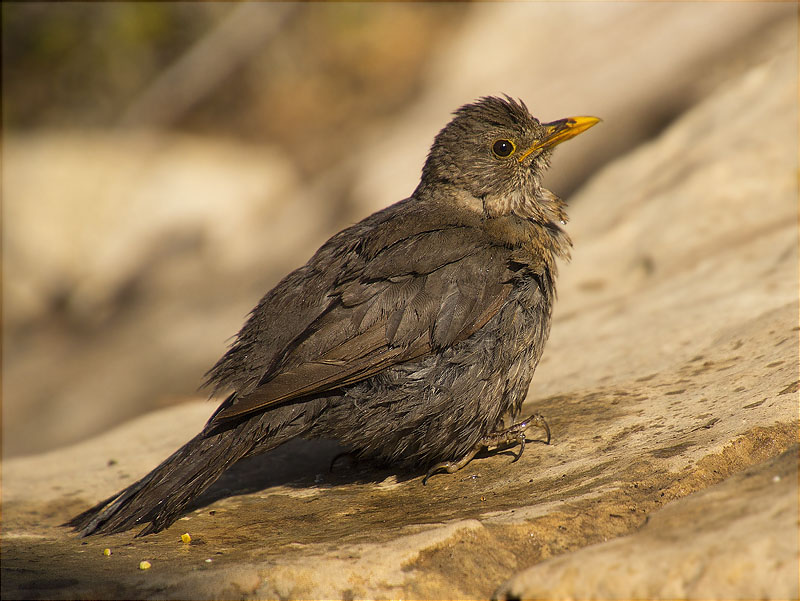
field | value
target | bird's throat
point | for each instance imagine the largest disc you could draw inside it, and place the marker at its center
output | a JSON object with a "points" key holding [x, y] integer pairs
{"points": [[542, 211]]}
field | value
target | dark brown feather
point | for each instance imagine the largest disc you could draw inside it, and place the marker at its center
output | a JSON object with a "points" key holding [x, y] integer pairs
{"points": [[412, 307]]}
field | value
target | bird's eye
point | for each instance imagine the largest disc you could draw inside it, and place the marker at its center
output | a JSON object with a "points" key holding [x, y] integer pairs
{"points": [[503, 148]]}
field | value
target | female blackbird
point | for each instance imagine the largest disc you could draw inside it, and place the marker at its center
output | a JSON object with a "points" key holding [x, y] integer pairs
{"points": [[406, 337]]}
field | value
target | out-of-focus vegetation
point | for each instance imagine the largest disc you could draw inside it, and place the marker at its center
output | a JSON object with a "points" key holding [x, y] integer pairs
{"points": [[78, 65], [298, 74]]}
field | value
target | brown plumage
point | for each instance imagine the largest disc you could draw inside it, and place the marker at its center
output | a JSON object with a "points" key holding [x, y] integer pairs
{"points": [[406, 337]]}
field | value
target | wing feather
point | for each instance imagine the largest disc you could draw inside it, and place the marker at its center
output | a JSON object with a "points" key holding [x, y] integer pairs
{"points": [[419, 295]]}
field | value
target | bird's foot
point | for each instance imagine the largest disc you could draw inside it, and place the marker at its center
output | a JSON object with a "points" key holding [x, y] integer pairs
{"points": [[513, 435]]}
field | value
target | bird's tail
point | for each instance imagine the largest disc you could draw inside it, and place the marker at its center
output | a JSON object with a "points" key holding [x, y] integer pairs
{"points": [[160, 497]]}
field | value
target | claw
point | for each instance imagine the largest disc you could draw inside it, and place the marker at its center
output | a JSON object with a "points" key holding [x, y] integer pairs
{"points": [[540, 421], [514, 434], [521, 449]]}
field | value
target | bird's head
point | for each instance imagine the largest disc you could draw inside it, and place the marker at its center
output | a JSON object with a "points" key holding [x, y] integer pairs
{"points": [[496, 151]]}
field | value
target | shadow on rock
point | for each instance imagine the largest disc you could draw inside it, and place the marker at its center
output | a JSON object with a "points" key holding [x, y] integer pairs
{"points": [[298, 464], [305, 464]]}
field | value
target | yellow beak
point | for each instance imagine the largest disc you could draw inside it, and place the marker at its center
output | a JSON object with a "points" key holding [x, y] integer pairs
{"points": [[559, 131]]}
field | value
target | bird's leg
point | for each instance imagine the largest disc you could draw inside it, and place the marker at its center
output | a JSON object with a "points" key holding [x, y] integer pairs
{"points": [[514, 434]]}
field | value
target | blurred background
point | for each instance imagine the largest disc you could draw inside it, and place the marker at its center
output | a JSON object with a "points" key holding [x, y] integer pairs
{"points": [[165, 164]]}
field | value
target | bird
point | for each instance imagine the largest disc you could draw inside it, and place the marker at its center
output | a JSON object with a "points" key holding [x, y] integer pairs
{"points": [[408, 337]]}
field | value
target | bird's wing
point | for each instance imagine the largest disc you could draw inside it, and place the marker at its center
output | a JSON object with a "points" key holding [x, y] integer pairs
{"points": [[417, 295]]}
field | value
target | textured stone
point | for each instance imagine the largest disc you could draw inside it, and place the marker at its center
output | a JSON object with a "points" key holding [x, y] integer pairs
{"points": [[735, 540]]}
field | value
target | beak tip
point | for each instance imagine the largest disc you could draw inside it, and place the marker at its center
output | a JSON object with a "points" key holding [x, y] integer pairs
{"points": [[583, 122], [561, 131]]}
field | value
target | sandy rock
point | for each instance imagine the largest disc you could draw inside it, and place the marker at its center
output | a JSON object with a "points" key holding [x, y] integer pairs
{"points": [[731, 541], [670, 384]]}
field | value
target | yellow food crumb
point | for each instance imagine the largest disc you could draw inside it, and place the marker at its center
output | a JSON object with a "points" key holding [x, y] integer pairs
{"points": [[106, 551], [144, 565], [186, 538]]}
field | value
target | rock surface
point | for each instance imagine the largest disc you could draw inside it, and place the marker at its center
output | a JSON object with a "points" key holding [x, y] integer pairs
{"points": [[670, 383], [726, 534]]}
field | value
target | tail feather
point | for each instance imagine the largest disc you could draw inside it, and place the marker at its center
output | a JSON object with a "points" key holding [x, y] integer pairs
{"points": [[160, 497]]}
